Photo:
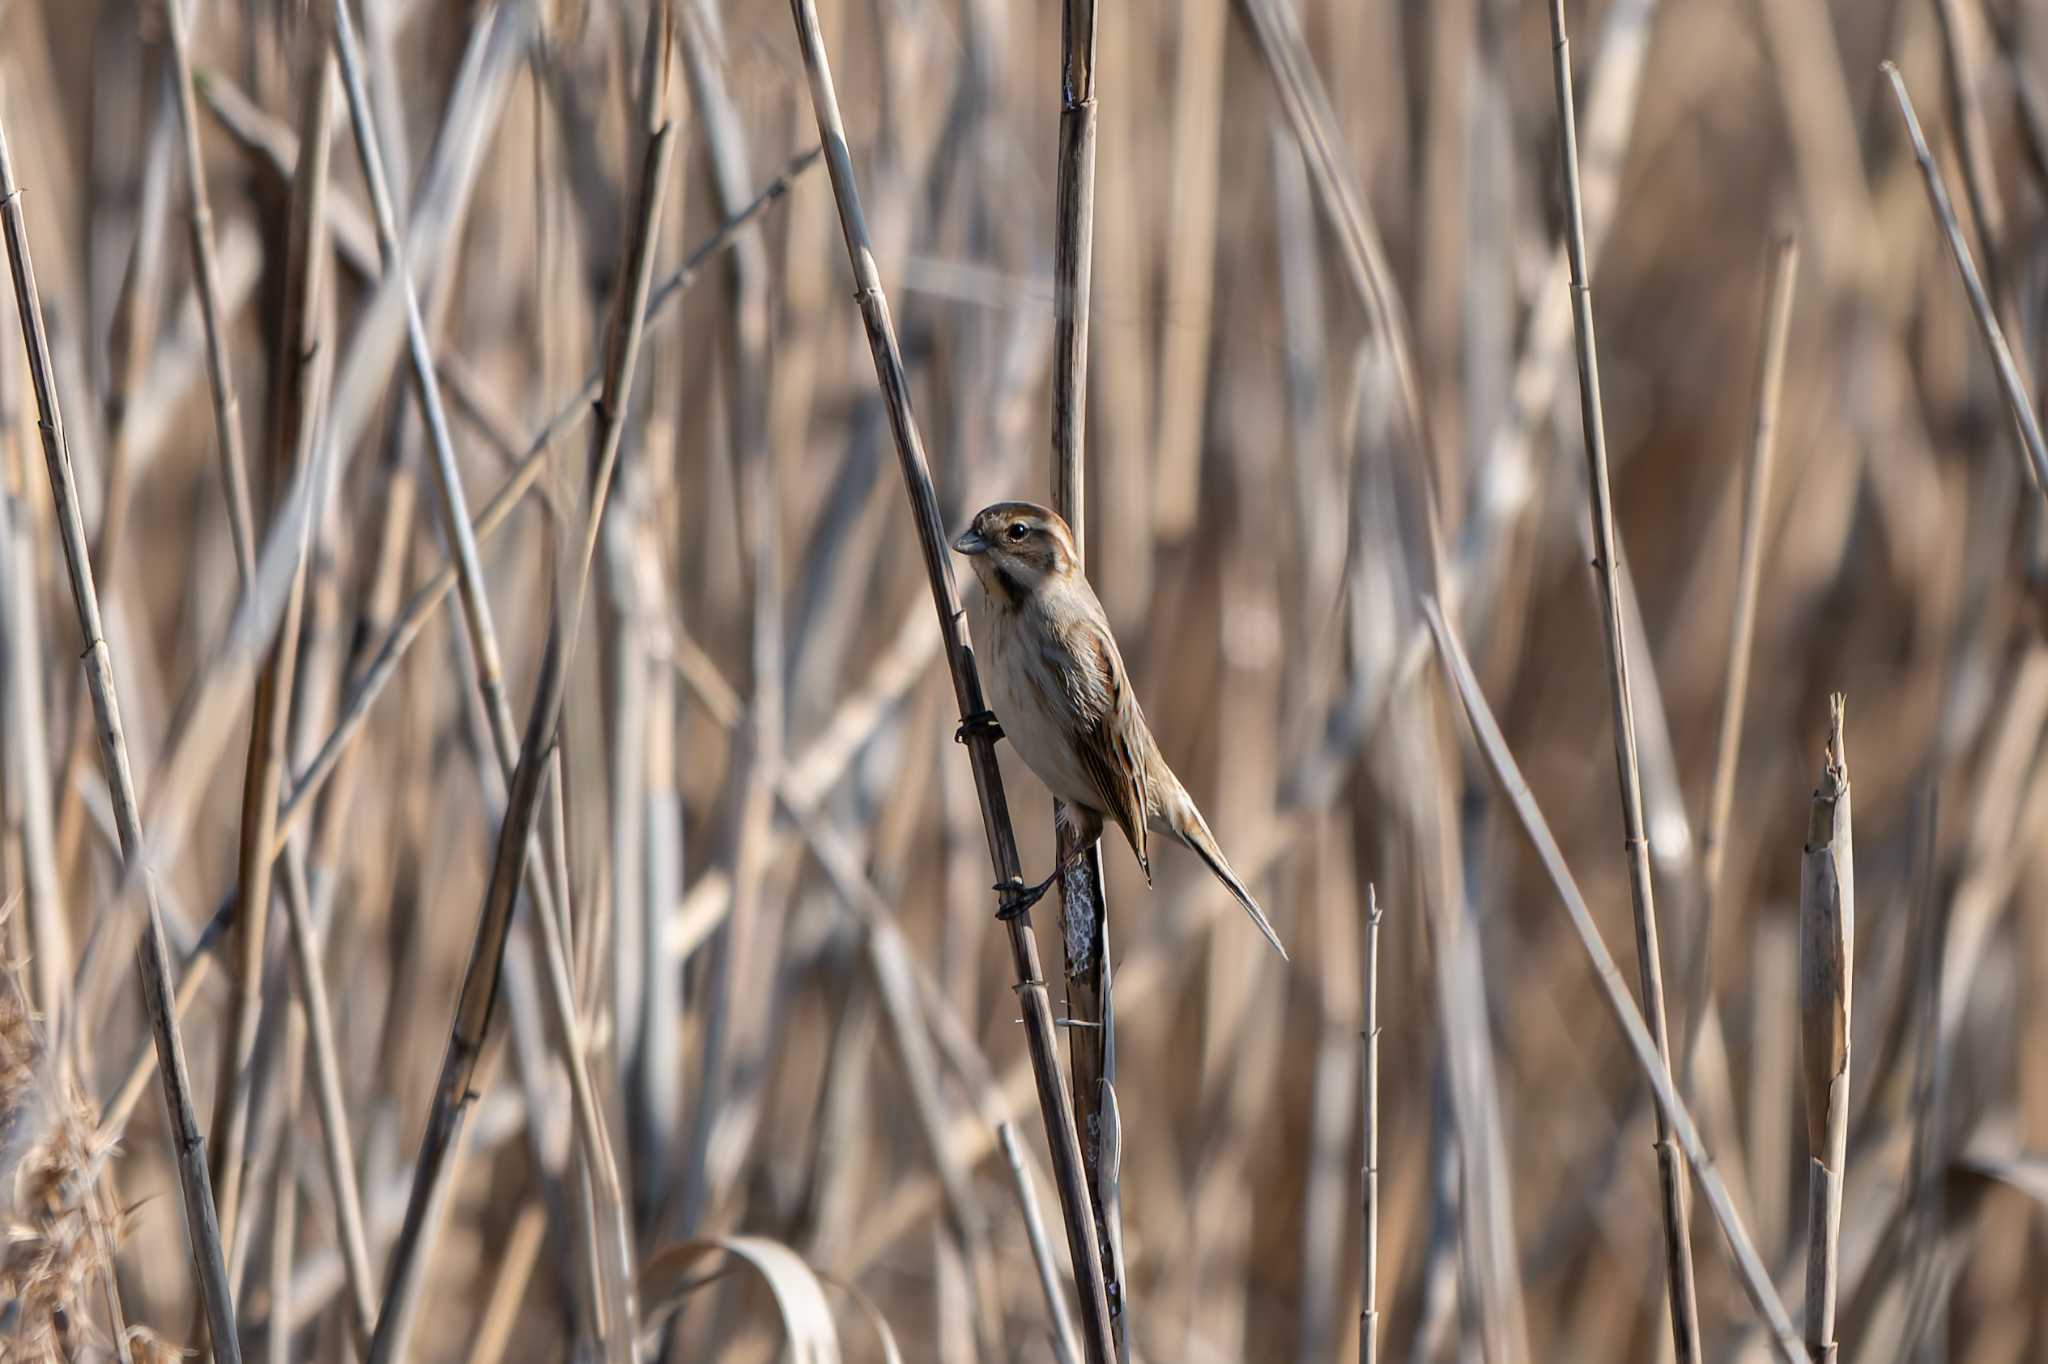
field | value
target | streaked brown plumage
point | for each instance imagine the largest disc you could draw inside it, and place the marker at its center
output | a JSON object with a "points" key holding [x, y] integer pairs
{"points": [[1058, 688]]}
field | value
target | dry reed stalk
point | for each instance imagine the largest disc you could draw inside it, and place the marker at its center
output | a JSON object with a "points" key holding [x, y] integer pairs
{"points": [[274, 147], [1827, 937], [1756, 1283], [547, 860], [500, 1312], [1084, 898], [227, 410], [894, 973], [234, 465], [1756, 501], [812, 773], [1961, 39], [295, 411], [1277, 30], [1065, 1349], [453, 1093], [153, 956], [1685, 1326], [284, 1189], [1070, 1175], [2010, 380], [211, 708], [1369, 1181], [549, 872], [1756, 497], [134, 327], [329, 1101]]}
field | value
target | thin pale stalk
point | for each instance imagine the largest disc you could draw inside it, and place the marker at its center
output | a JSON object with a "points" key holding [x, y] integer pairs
{"points": [[187, 1141], [1065, 1348], [1685, 1313], [2010, 380], [1069, 1173], [284, 1191], [1756, 500], [1198, 105], [329, 1099], [227, 405], [1754, 1277]]}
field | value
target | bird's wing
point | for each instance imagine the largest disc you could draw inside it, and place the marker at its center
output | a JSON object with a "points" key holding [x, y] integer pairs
{"points": [[1110, 732]]}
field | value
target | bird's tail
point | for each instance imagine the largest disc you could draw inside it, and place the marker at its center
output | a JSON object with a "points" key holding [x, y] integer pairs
{"points": [[1189, 827]]}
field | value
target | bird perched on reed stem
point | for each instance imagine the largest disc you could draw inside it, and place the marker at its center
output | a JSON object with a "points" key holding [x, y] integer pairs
{"points": [[1064, 701]]}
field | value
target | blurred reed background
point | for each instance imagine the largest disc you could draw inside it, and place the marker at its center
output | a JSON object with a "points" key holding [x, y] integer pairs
{"points": [[765, 931]]}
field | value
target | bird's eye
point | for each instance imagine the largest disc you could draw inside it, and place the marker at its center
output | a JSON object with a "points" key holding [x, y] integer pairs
{"points": [[1018, 530]]}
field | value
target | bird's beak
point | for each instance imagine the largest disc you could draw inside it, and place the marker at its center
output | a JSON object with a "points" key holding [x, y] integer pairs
{"points": [[971, 542]]}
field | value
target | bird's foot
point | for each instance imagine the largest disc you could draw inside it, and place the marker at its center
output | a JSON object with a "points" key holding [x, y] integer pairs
{"points": [[979, 723], [1018, 898]]}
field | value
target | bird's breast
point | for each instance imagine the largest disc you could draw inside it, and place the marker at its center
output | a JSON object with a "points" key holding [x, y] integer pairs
{"points": [[1027, 689]]}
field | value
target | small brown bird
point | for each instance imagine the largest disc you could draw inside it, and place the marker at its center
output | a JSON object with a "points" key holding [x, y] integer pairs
{"points": [[1063, 699]]}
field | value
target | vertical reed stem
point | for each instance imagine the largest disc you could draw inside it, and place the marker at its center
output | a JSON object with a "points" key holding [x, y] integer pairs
{"points": [[1827, 947], [1069, 1174], [1685, 1325], [1084, 900]]}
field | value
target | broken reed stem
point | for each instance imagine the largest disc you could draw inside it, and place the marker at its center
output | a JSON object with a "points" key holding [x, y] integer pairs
{"points": [[1671, 1109], [1069, 1173], [188, 1143], [1369, 1263], [1685, 1314], [1756, 498], [1084, 899], [454, 1091], [1827, 946], [2009, 378]]}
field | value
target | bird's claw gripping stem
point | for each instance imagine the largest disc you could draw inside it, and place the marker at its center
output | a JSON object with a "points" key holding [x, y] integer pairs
{"points": [[980, 723], [1018, 898]]}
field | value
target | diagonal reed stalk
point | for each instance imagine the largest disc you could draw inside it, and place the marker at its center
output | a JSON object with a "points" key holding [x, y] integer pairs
{"points": [[433, 1176], [1084, 899], [1685, 1312], [1069, 1172], [1756, 501], [1671, 1109], [1827, 953], [202, 1228], [2013, 384]]}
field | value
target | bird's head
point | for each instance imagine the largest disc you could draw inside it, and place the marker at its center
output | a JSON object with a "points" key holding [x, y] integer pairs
{"points": [[1017, 547]]}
